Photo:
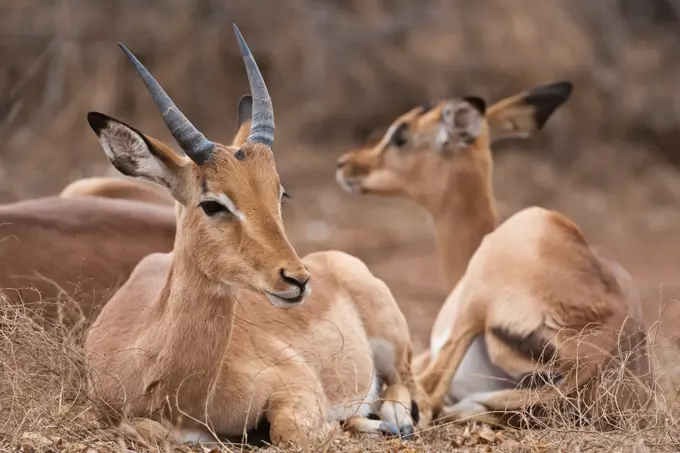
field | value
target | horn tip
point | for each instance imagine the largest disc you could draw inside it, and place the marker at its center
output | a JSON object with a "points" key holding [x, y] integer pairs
{"points": [[243, 47], [126, 51]]}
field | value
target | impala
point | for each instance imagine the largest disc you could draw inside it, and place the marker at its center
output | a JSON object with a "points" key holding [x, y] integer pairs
{"points": [[78, 250], [488, 331], [225, 330], [453, 186]]}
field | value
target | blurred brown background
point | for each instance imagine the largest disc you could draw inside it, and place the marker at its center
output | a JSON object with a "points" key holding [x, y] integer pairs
{"points": [[340, 70]]}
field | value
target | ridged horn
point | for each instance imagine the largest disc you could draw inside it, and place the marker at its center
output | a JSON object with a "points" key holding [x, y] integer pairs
{"points": [[262, 129], [190, 139]]}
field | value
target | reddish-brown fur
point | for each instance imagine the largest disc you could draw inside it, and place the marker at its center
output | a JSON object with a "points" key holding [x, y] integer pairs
{"points": [[85, 248], [126, 189]]}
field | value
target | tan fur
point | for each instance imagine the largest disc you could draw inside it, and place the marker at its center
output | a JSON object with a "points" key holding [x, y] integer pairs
{"points": [[192, 333], [127, 189], [536, 277], [81, 249]]}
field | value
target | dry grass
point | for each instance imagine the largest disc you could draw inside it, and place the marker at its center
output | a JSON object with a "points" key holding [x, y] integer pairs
{"points": [[45, 406]]}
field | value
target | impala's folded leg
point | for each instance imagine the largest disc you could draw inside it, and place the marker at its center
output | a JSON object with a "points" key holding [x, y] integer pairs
{"points": [[480, 406], [296, 410], [436, 378], [421, 361]]}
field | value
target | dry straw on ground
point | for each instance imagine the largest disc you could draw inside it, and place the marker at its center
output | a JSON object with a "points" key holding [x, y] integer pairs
{"points": [[45, 406]]}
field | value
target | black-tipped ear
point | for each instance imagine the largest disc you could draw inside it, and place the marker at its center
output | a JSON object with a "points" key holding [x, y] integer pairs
{"points": [[137, 155], [546, 99], [478, 103], [98, 121], [245, 110]]}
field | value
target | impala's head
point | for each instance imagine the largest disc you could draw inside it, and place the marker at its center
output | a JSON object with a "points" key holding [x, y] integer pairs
{"points": [[229, 222], [430, 140]]}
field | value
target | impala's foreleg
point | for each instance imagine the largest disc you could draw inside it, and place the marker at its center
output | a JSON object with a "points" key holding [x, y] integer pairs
{"points": [[436, 378], [296, 410], [421, 361]]}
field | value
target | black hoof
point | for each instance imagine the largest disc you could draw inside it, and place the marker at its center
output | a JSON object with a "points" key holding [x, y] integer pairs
{"points": [[406, 431], [389, 429]]}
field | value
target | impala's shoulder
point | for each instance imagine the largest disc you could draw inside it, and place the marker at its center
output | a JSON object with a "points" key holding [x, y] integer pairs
{"points": [[551, 225], [153, 266]]}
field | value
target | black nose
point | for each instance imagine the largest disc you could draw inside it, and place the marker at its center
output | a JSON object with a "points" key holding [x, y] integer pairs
{"points": [[339, 164], [294, 281]]}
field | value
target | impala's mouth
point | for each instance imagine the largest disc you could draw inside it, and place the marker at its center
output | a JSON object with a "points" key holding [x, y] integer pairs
{"points": [[351, 185], [282, 300]]}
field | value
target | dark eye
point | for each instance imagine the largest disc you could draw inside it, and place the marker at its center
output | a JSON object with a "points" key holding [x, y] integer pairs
{"points": [[400, 136], [212, 208]]}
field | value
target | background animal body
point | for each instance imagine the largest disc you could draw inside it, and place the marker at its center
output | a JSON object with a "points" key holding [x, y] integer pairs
{"points": [[607, 158]]}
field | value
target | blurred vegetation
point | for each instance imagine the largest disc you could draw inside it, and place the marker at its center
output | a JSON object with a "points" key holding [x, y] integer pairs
{"points": [[337, 70]]}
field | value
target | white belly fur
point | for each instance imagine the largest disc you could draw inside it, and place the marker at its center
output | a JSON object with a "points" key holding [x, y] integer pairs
{"points": [[476, 373]]}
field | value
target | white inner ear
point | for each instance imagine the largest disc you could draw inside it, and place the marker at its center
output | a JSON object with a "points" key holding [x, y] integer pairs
{"points": [[128, 152]]}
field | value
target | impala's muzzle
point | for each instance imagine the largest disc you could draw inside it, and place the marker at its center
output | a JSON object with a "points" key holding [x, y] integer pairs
{"points": [[298, 289], [350, 173]]}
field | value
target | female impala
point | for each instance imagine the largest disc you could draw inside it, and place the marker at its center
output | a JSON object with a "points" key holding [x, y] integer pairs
{"points": [[191, 333], [453, 185], [479, 350]]}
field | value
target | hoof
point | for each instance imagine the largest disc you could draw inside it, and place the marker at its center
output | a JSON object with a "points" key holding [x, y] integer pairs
{"points": [[389, 429], [407, 431]]}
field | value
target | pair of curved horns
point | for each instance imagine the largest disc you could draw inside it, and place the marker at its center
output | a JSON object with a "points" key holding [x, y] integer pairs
{"points": [[191, 140]]}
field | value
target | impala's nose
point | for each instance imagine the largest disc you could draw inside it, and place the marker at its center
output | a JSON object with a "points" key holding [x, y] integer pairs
{"points": [[299, 279]]}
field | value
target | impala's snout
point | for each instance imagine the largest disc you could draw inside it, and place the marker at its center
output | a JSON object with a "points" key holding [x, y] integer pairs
{"points": [[348, 174], [296, 280], [292, 287]]}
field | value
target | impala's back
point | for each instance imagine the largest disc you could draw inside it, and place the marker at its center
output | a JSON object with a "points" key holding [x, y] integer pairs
{"points": [[76, 249]]}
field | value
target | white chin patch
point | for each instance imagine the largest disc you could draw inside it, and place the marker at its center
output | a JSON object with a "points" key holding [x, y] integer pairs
{"points": [[346, 186], [281, 302]]}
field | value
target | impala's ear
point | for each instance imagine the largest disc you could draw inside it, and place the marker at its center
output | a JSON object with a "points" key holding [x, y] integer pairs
{"points": [[462, 122], [140, 156], [523, 114], [244, 118]]}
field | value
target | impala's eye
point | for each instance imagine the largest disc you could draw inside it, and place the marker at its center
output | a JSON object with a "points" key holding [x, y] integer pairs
{"points": [[212, 208], [400, 136]]}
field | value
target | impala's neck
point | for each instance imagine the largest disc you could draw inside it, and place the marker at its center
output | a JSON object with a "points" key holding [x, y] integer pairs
{"points": [[463, 216], [197, 315]]}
